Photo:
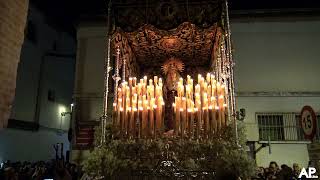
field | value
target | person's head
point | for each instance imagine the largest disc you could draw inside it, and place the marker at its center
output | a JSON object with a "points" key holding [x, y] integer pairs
{"points": [[296, 167], [273, 166], [284, 166], [72, 167], [260, 171]]}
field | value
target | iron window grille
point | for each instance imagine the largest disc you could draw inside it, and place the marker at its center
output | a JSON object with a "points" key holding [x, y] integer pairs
{"points": [[283, 126]]}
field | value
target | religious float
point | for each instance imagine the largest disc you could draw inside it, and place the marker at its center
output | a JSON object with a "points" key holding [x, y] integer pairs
{"points": [[173, 110]]}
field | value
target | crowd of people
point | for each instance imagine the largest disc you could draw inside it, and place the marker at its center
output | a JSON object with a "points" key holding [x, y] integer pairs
{"points": [[274, 172], [54, 169], [59, 170]]}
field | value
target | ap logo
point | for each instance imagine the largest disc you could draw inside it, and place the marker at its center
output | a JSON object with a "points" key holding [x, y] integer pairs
{"points": [[308, 174]]}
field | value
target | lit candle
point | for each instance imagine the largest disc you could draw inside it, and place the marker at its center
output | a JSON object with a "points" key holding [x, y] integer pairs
{"points": [[134, 122], [121, 121], [183, 117], [129, 122], [158, 109], [197, 119], [145, 79], [190, 123], [181, 123], [140, 114], [130, 82], [177, 123], [155, 80], [210, 109], [134, 81], [208, 78], [174, 116], [144, 116], [119, 125], [219, 118], [199, 78], [205, 122], [154, 121], [151, 117]]}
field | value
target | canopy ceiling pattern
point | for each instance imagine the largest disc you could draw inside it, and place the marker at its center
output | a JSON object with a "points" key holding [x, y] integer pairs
{"points": [[151, 46], [130, 15]]}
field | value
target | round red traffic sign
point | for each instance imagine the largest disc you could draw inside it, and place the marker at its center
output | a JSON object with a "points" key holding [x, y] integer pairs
{"points": [[308, 122]]}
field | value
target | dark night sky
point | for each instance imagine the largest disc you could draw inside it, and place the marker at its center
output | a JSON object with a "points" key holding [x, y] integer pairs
{"points": [[65, 13]]}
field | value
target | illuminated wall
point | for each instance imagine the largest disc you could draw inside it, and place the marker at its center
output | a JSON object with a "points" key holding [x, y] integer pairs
{"points": [[273, 57]]}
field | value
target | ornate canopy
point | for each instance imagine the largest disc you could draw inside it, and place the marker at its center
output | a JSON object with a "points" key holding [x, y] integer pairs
{"points": [[166, 14], [170, 42], [148, 47], [149, 32]]}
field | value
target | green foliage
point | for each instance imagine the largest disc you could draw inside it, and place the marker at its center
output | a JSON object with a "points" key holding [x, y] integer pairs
{"points": [[220, 154], [102, 162]]}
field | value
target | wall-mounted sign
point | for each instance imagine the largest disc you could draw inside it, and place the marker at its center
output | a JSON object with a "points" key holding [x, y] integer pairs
{"points": [[308, 122]]}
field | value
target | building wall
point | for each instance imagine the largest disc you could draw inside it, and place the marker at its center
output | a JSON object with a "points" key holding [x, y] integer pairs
{"points": [[275, 58], [277, 55], [276, 71], [13, 16], [90, 73], [47, 63], [17, 145]]}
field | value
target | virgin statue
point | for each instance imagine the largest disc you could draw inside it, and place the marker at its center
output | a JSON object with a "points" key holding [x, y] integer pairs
{"points": [[171, 69]]}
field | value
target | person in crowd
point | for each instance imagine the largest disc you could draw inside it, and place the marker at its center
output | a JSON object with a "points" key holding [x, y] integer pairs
{"points": [[286, 173], [272, 171], [55, 169], [296, 170]]}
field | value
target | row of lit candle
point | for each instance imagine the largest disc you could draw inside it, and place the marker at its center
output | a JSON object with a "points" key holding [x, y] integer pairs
{"points": [[138, 110], [200, 110]]}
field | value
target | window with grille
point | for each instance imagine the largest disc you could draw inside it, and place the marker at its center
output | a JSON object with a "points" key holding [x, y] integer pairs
{"points": [[282, 127]]}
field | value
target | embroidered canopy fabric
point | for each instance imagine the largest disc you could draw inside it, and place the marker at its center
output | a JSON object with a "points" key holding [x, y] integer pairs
{"points": [[150, 47]]}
